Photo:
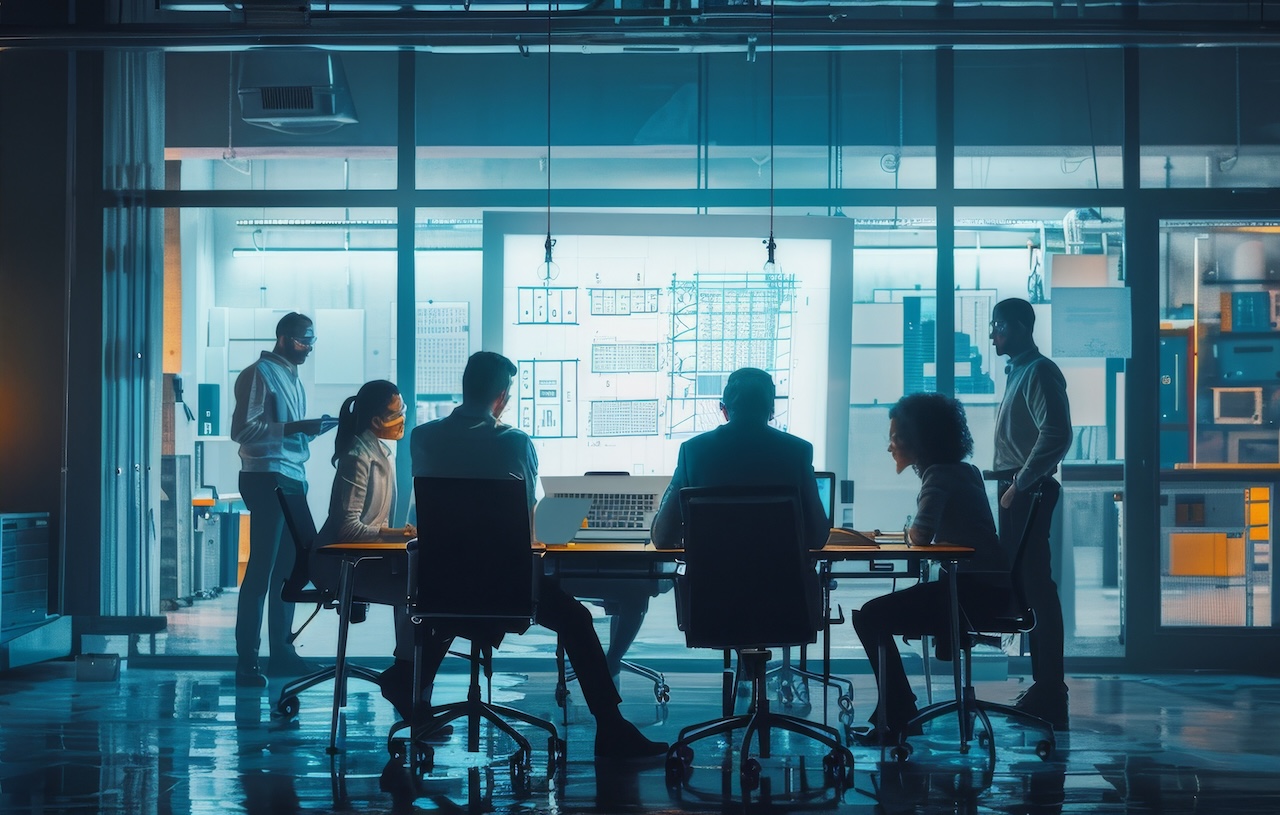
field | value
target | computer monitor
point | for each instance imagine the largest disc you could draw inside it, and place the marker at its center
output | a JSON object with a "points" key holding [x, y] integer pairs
{"points": [[827, 494]]}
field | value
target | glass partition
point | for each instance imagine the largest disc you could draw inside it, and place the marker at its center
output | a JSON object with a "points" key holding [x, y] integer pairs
{"points": [[1048, 118], [242, 270], [1070, 265], [1219, 385]]}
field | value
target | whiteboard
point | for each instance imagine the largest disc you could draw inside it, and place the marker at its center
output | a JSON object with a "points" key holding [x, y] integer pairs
{"points": [[1092, 322]]}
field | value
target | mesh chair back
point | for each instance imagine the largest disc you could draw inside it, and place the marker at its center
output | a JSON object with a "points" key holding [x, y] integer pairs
{"points": [[474, 556], [748, 580], [302, 531]]}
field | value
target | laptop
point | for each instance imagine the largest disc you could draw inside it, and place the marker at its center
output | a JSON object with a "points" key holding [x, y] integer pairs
{"points": [[622, 506], [827, 494]]}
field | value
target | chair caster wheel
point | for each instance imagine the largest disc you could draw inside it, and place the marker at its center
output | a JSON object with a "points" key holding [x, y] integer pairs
{"points": [[562, 694], [751, 771], [519, 769], [676, 770], [662, 692], [1044, 749], [787, 692], [396, 751], [424, 758], [984, 740], [834, 767], [901, 752], [288, 707]]}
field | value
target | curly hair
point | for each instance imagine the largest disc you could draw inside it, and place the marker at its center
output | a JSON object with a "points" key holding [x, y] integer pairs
{"points": [[932, 427]]}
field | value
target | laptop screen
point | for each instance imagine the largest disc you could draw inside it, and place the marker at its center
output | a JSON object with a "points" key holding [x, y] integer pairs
{"points": [[827, 494], [622, 506]]}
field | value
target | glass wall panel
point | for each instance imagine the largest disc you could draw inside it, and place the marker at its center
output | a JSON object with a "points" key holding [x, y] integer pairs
{"points": [[1219, 414], [1207, 117], [840, 120], [242, 270], [272, 119], [448, 317], [892, 353], [1070, 266], [1038, 119], [617, 120]]}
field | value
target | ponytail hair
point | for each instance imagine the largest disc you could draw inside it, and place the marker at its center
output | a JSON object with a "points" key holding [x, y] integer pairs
{"points": [[358, 413]]}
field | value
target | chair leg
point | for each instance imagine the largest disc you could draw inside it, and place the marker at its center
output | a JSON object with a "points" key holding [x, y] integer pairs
{"points": [[971, 711], [475, 709], [757, 725]]}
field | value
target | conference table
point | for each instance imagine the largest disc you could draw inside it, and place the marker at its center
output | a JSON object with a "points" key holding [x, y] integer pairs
{"points": [[890, 557]]}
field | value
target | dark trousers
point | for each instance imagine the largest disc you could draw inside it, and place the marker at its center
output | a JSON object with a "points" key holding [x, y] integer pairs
{"points": [[572, 622], [924, 608], [1037, 578], [271, 559]]}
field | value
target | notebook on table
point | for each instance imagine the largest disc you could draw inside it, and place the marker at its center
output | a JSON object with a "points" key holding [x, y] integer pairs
{"points": [[621, 506]]}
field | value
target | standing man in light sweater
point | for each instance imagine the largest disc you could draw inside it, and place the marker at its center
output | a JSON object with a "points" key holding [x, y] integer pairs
{"points": [[268, 422]]}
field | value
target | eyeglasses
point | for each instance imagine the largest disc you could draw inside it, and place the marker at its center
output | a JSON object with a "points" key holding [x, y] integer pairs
{"points": [[305, 342], [1000, 326]]}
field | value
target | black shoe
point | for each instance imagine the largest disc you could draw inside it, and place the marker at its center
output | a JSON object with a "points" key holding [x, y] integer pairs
{"points": [[396, 684], [625, 741], [288, 665], [249, 676], [1050, 704]]}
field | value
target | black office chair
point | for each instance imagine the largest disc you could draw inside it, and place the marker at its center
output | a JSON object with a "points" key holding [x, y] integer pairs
{"points": [[298, 588], [625, 603], [476, 578], [990, 630], [748, 585]]}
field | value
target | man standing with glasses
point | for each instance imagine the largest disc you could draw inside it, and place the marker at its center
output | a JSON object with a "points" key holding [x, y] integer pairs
{"points": [[274, 443], [1032, 435]]}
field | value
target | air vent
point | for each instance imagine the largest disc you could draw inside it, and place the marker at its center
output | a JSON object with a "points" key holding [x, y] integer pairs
{"points": [[299, 91], [287, 99]]}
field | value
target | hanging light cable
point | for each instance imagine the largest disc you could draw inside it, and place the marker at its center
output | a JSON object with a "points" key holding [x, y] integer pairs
{"points": [[548, 270], [770, 264]]}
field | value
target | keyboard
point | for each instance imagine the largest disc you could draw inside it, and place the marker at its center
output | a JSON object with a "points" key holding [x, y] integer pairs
{"points": [[618, 514]]}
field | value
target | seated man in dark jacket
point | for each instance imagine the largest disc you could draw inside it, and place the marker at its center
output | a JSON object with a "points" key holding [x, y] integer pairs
{"points": [[746, 451]]}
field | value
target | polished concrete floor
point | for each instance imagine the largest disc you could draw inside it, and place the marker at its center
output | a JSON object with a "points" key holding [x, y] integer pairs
{"points": [[178, 741]]}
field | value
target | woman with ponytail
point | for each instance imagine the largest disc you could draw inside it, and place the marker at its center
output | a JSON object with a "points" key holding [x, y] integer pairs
{"points": [[360, 509], [363, 497]]}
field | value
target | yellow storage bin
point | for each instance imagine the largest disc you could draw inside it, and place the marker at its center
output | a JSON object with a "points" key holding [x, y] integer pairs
{"points": [[1205, 554]]}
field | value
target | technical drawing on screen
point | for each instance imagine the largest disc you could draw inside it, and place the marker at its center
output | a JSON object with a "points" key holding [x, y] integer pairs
{"points": [[623, 351]]}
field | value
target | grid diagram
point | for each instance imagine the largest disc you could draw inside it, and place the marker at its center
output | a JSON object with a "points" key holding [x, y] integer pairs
{"points": [[547, 398], [720, 323], [623, 417], [624, 357], [547, 305], [443, 339], [622, 302]]}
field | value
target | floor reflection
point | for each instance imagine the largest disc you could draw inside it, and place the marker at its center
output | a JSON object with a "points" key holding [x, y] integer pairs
{"points": [[163, 741]]}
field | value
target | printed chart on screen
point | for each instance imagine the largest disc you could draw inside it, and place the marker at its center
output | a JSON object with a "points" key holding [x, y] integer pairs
{"points": [[624, 349]]}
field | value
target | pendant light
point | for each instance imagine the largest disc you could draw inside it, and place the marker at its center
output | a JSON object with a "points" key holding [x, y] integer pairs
{"points": [[771, 263], [548, 269]]}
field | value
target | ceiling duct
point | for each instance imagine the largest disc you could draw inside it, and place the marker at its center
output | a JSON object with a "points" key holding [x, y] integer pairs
{"points": [[299, 91]]}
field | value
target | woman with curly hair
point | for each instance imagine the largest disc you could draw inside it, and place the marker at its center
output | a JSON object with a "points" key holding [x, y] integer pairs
{"points": [[928, 432]]}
